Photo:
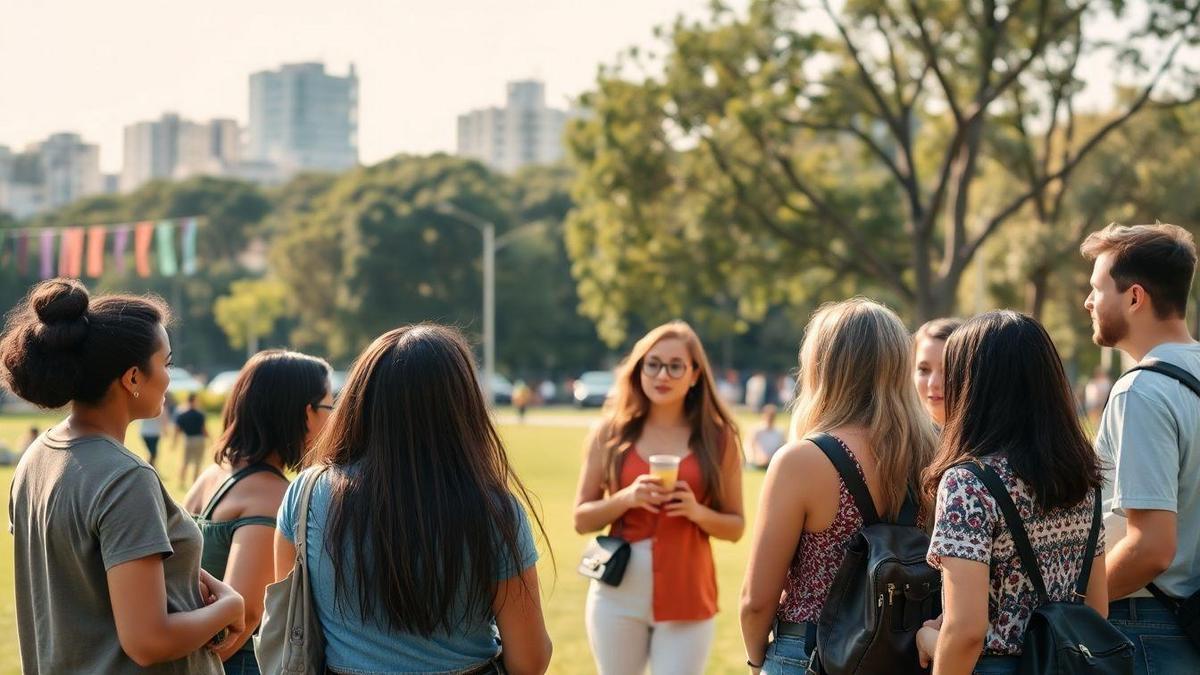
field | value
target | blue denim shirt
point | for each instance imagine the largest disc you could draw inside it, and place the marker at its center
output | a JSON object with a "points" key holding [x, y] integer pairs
{"points": [[354, 645]]}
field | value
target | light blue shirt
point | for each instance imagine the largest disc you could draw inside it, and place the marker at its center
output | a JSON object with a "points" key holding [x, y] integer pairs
{"points": [[369, 647], [1149, 441]]}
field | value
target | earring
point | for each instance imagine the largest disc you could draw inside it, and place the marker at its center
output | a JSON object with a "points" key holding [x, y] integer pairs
{"points": [[137, 394]]}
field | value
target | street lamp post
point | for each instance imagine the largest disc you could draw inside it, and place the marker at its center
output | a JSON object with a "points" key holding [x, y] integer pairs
{"points": [[489, 291]]}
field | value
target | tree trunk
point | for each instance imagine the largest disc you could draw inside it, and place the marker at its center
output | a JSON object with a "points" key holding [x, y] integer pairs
{"points": [[1036, 290]]}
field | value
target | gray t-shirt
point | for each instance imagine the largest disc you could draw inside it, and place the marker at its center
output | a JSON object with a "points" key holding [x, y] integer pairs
{"points": [[1150, 441], [78, 508]]}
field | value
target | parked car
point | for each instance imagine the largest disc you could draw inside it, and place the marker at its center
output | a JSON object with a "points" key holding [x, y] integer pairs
{"points": [[222, 383], [593, 387], [183, 383], [502, 389]]}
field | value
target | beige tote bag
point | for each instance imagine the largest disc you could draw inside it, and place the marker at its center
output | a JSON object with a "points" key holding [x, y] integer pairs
{"points": [[290, 641]]}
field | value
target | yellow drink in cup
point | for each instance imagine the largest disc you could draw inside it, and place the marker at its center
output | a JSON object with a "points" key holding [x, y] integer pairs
{"points": [[666, 467]]}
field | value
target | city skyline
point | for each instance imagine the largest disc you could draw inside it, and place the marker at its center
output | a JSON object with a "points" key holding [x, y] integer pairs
{"points": [[433, 64]]}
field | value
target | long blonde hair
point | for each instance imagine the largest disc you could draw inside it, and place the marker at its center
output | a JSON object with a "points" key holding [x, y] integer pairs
{"points": [[856, 369], [714, 431]]}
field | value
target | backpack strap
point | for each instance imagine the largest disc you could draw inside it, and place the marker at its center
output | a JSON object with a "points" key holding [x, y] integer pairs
{"points": [[1089, 553], [909, 509], [991, 480], [233, 479], [846, 468], [1170, 370]]}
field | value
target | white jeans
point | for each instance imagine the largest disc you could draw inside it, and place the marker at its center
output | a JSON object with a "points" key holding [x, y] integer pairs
{"points": [[624, 635]]}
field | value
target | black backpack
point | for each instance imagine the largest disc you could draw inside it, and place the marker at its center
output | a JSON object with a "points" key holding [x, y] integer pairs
{"points": [[1061, 638], [883, 591]]}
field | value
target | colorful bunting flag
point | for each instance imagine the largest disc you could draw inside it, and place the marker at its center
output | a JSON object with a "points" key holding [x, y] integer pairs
{"points": [[47, 252], [120, 245], [21, 249], [165, 234], [143, 234], [189, 246], [95, 250], [70, 253]]}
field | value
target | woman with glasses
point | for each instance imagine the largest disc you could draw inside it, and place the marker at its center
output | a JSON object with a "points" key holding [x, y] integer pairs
{"points": [[664, 403], [277, 406]]}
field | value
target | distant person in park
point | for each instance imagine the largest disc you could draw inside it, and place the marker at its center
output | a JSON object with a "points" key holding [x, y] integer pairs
{"points": [[108, 576], [766, 439], [1149, 436], [855, 386], [929, 343], [729, 388], [29, 438], [192, 424], [1095, 394], [277, 406], [522, 397], [153, 429], [1010, 409], [756, 391], [785, 391], [419, 549], [664, 402]]}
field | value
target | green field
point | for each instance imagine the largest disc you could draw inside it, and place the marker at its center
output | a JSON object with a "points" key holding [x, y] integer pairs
{"points": [[547, 459]]}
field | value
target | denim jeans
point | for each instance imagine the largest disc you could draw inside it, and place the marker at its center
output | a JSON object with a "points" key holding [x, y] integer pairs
{"points": [[785, 656], [242, 663], [1160, 646]]}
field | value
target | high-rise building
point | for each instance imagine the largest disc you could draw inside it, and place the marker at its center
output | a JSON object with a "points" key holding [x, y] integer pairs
{"points": [[70, 169], [303, 118], [172, 147], [525, 131]]}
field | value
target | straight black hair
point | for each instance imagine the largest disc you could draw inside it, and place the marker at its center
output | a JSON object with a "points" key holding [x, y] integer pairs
{"points": [[420, 473], [265, 411], [1006, 393]]}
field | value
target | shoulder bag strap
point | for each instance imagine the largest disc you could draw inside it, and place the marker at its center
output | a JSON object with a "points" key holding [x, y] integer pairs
{"points": [[849, 472], [301, 532], [230, 482], [1170, 370], [1089, 553], [1012, 519], [909, 510]]}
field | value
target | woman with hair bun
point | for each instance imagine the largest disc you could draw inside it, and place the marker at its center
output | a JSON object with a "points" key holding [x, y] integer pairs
{"points": [[108, 576]]}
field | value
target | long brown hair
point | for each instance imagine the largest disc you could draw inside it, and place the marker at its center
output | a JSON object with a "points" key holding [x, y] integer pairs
{"points": [[422, 475], [856, 369], [1006, 392], [714, 431]]}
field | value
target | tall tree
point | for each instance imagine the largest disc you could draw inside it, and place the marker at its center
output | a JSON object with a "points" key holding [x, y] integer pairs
{"points": [[852, 137]]}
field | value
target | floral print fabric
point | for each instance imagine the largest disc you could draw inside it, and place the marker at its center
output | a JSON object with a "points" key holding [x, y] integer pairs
{"points": [[969, 525]]}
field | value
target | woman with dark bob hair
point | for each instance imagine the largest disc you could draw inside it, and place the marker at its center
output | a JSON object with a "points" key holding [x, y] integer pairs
{"points": [[276, 408], [420, 555], [108, 576], [1010, 416]]}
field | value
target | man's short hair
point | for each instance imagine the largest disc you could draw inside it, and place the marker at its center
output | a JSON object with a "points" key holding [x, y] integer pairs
{"points": [[1160, 258]]}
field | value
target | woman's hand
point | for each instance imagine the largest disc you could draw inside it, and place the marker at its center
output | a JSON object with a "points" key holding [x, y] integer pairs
{"points": [[221, 592], [927, 638], [645, 492], [684, 502]]}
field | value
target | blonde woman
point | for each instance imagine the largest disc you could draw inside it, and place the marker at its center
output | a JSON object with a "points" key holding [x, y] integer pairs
{"points": [[929, 345], [665, 403], [855, 369]]}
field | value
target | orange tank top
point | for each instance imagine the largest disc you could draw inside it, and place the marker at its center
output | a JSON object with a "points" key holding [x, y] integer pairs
{"points": [[685, 578]]}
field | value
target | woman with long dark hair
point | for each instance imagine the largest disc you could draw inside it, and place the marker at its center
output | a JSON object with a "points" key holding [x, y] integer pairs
{"points": [[420, 554], [276, 408], [108, 576], [1009, 408], [664, 403]]}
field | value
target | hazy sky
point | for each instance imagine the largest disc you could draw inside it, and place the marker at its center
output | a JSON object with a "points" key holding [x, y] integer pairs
{"points": [[93, 67]]}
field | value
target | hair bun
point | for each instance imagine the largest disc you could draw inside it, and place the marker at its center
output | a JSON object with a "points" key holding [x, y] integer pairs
{"points": [[61, 305]]}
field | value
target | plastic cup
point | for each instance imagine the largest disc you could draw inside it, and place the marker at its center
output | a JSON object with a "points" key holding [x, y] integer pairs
{"points": [[666, 467]]}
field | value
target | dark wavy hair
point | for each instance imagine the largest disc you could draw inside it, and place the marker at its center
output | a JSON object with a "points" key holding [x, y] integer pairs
{"points": [[421, 473], [1006, 392], [62, 345], [265, 411]]}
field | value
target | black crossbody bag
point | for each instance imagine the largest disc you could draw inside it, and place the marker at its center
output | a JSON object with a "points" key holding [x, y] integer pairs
{"points": [[1061, 637], [605, 559], [1187, 610]]}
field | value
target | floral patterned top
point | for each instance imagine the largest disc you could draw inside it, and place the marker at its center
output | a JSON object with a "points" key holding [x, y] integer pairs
{"points": [[968, 525], [818, 557]]}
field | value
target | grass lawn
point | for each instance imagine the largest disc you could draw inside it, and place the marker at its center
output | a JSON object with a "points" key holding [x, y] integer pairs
{"points": [[547, 459]]}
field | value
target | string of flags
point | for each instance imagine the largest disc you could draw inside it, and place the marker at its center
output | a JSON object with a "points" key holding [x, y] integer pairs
{"points": [[79, 251]]}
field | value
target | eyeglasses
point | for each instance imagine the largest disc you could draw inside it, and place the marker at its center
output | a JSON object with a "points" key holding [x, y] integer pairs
{"points": [[323, 406], [675, 369]]}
